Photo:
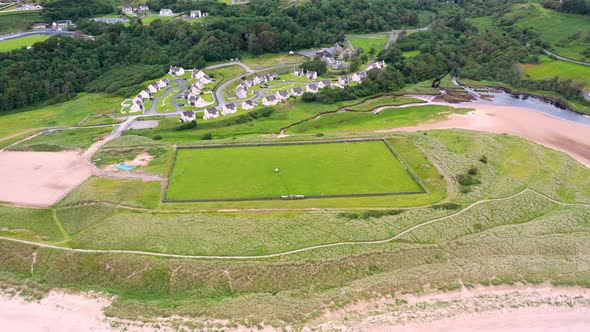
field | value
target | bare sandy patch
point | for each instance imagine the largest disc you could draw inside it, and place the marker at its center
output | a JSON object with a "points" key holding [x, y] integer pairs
{"points": [[561, 135], [143, 159], [40, 178], [145, 124]]}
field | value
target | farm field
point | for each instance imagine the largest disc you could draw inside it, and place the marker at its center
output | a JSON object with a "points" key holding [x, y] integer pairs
{"points": [[367, 42], [14, 44], [563, 70], [343, 168]]}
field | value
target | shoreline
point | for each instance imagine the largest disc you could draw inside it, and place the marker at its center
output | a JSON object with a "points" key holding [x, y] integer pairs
{"points": [[564, 136]]}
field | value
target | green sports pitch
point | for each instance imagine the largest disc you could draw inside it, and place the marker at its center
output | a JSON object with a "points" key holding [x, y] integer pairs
{"points": [[329, 169]]}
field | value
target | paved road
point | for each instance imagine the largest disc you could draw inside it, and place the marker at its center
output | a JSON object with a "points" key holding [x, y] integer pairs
{"points": [[50, 32], [180, 83], [232, 63], [557, 56], [291, 252]]}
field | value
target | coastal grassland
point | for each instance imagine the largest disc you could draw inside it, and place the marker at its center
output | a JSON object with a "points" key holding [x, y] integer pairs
{"points": [[354, 122], [558, 29], [18, 21], [99, 120], [304, 169], [516, 238], [270, 60], [369, 41], [386, 100], [31, 224], [63, 114], [15, 44], [159, 165], [562, 70], [71, 139]]}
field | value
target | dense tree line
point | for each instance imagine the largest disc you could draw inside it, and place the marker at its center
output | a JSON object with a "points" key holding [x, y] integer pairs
{"points": [[59, 68], [581, 7]]}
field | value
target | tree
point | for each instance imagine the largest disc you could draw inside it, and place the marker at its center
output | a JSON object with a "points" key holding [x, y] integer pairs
{"points": [[316, 65]]}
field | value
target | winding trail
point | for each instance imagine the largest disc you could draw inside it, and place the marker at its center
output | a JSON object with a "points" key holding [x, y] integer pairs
{"points": [[291, 252], [559, 57]]}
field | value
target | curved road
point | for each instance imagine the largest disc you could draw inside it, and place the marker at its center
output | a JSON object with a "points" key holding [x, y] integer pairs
{"points": [[290, 252], [559, 57]]}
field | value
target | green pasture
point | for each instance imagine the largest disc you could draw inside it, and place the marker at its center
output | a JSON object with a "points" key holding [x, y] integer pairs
{"points": [[15, 44], [18, 21], [366, 42], [562, 70], [306, 169], [71, 139]]}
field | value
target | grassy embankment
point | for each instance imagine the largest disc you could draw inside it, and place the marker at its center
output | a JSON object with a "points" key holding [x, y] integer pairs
{"points": [[477, 246]]}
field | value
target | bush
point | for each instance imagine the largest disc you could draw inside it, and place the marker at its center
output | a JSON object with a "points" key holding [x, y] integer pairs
{"points": [[207, 137], [369, 214], [484, 159], [467, 180], [446, 206], [157, 137], [473, 171], [188, 125]]}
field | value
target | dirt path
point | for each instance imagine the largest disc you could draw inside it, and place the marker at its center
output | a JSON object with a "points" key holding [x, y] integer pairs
{"points": [[291, 252]]}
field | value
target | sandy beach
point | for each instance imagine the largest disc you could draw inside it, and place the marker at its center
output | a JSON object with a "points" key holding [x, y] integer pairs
{"points": [[561, 135], [40, 178]]}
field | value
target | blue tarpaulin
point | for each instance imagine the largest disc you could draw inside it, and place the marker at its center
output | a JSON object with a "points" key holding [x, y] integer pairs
{"points": [[125, 167]]}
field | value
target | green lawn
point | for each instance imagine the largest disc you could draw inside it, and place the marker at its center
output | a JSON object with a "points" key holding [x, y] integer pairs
{"points": [[410, 54], [366, 42], [308, 169], [555, 68], [148, 20], [271, 59], [15, 44]]}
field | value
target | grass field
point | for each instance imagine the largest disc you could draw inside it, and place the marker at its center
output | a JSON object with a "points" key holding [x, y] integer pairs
{"points": [[18, 21], [63, 140], [307, 169], [68, 113], [268, 60], [555, 68], [15, 44], [366, 42]]}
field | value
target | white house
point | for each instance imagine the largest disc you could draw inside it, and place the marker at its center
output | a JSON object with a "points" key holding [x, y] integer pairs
{"points": [[344, 80], [297, 92], [272, 76], [197, 73], [248, 104], [166, 12], [195, 101], [358, 77], [241, 92], [297, 71], [163, 83], [248, 83], [210, 113], [30, 6], [153, 88], [137, 106], [194, 89], [324, 84], [205, 79], [187, 116], [199, 85], [196, 14], [144, 95], [313, 88], [176, 71], [127, 10], [269, 101], [229, 108], [143, 8], [311, 75], [282, 95], [38, 26]]}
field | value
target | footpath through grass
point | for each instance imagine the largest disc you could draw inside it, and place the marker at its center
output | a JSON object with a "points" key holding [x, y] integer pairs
{"points": [[304, 169]]}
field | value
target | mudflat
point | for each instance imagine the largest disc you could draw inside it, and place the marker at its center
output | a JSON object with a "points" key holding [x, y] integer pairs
{"points": [[40, 178]]}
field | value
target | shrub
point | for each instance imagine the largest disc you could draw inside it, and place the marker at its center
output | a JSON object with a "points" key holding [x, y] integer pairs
{"points": [[207, 137], [473, 171], [446, 206], [188, 125], [484, 159], [370, 214], [467, 180], [157, 137]]}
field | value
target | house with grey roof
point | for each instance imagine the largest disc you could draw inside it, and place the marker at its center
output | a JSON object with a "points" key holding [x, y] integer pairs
{"points": [[324, 84], [312, 88], [187, 116], [282, 95], [248, 104], [269, 101], [210, 113], [229, 108], [297, 92]]}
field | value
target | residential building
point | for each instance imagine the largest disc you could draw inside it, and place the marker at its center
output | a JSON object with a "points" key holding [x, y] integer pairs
{"points": [[128, 10], [205, 79], [248, 104], [241, 92], [166, 12], [39, 26], [297, 92], [311, 75], [143, 8], [269, 100], [210, 113], [176, 71], [324, 84], [358, 77], [30, 6], [195, 101], [153, 88], [298, 71], [199, 85], [194, 89], [144, 94], [137, 106], [312, 87], [163, 83], [344, 80], [62, 23], [282, 95], [229, 108], [196, 14], [187, 116]]}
